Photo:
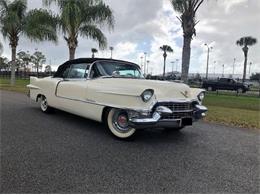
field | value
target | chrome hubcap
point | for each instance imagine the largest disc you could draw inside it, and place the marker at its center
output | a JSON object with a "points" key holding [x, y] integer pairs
{"points": [[44, 104], [120, 121]]}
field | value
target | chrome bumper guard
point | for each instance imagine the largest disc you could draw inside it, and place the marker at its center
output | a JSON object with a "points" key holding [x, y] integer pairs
{"points": [[155, 120]]}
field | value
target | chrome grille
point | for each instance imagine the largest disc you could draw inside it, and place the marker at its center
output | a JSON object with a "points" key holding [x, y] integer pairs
{"points": [[177, 106], [180, 110]]}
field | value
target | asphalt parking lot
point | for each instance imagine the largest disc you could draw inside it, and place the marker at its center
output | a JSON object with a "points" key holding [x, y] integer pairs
{"points": [[63, 153]]}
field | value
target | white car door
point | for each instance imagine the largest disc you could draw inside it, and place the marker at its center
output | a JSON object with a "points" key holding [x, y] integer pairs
{"points": [[73, 88]]}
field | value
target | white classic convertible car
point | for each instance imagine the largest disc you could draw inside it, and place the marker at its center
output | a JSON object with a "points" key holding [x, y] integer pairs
{"points": [[116, 93]]}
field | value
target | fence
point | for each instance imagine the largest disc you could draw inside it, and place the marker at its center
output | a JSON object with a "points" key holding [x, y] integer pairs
{"points": [[25, 75]]}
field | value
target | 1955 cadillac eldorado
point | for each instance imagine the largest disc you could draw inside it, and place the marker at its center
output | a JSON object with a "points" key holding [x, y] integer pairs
{"points": [[116, 93]]}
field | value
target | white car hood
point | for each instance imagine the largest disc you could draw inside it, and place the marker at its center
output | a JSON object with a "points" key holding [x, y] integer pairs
{"points": [[163, 90]]}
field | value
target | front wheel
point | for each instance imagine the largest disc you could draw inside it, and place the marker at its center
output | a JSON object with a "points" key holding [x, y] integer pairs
{"points": [[117, 122]]}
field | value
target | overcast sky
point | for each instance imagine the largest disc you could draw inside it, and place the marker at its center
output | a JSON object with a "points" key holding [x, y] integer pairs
{"points": [[145, 25]]}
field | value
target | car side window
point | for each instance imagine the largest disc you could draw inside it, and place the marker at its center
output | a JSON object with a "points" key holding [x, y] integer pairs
{"points": [[78, 71], [94, 72]]}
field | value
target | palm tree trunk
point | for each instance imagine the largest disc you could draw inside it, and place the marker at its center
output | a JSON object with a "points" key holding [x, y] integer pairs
{"points": [[185, 58], [72, 51], [245, 49], [164, 63], [13, 65]]}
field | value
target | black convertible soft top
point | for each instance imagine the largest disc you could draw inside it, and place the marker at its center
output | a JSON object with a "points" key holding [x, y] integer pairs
{"points": [[85, 60]]}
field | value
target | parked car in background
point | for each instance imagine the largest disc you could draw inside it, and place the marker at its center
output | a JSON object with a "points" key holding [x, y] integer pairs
{"points": [[225, 84], [116, 93]]}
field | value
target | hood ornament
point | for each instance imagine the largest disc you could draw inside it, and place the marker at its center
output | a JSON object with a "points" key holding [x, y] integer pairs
{"points": [[185, 94]]}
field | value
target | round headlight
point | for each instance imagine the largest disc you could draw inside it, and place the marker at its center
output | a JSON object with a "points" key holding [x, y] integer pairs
{"points": [[147, 95], [201, 96]]}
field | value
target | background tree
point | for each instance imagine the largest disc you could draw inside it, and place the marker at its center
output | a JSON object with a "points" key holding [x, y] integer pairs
{"points": [[82, 18], [244, 42], [187, 9], [38, 59], [255, 77], [3, 63], [93, 51], [37, 25], [165, 49], [23, 59], [48, 69]]}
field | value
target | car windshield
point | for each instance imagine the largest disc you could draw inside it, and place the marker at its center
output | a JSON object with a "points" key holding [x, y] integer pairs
{"points": [[119, 70]]}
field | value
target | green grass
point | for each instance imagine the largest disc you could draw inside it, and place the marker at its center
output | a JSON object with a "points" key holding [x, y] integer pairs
{"points": [[229, 109], [233, 110], [20, 85]]}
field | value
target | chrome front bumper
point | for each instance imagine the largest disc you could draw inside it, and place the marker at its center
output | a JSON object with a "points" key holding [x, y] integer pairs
{"points": [[157, 118]]}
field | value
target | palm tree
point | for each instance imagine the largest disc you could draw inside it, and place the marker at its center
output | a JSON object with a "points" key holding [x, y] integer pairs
{"points": [[38, 59], [187, 9], [83, 18], [165, 49], [93, 51], [244, 42], [36, 24], [111, 51]]}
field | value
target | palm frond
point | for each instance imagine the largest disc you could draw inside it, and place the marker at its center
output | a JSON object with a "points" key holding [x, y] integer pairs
{"points": [[91, 31], [40, 25], [246, 41], [166, 48], [100, 13]]}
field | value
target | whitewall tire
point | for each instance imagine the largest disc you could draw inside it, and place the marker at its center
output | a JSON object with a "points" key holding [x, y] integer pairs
{"points": [[117, 122]]}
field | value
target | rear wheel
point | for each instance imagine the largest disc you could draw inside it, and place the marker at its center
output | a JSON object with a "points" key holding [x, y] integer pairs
{"points": [[44, 105], [117, 122]]}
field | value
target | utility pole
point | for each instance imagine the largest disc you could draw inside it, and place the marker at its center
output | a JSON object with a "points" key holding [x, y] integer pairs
{"points": [[207, 69], [234, 67]]}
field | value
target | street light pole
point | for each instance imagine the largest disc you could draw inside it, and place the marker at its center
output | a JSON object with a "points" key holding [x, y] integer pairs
{"points": [[234, 66], [177, 60], [215, 68], [147, 66], [250, 69], [145, 62], [207, 70], [223, 72], [111, 50], [141, 62], [172, 66]]}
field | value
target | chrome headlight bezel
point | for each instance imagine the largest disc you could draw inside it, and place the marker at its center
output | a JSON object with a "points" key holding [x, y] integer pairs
{"points": [[147, 95], [201, 96]]}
